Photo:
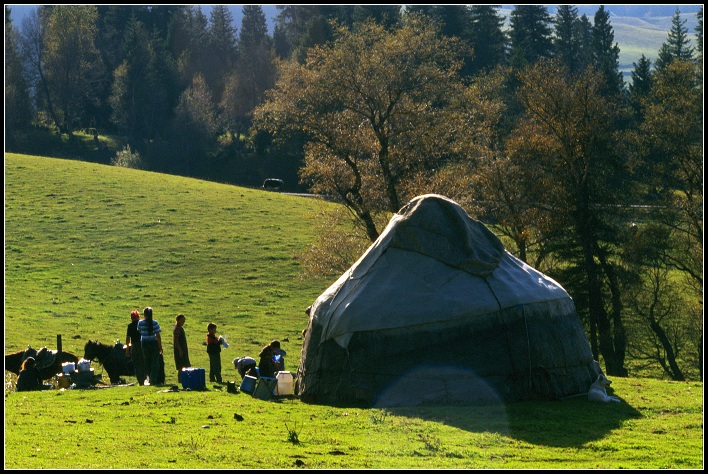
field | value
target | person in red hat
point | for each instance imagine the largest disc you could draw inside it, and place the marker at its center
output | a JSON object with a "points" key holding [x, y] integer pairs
{"points": [[133, 349]]}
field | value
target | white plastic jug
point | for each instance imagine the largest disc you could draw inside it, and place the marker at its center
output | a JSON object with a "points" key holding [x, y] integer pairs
{"points": [[84, 365], [68, 367], [285, 383]]}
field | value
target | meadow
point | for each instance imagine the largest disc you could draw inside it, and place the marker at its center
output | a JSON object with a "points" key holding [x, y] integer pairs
{"points": [[87, 243]]}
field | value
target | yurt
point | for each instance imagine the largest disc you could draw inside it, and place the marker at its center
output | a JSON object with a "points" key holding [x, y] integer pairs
{"points": [[436, 311]]}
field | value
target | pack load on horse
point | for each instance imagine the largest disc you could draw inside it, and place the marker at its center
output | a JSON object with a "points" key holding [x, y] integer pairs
{"points": [[48, 362]]}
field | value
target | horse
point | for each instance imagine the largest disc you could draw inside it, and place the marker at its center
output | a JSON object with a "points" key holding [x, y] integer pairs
{"points": [[47, 361], [112, 358]]}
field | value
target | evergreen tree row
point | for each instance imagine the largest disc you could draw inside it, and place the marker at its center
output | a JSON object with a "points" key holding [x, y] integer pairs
{"points": [[171, 74]]}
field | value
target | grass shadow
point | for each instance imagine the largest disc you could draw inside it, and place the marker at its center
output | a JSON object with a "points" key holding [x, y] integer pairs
{"points": [[568, 423]]}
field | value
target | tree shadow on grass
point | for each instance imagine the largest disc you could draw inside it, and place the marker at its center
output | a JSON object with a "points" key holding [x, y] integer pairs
{"points": [[566, 423]]}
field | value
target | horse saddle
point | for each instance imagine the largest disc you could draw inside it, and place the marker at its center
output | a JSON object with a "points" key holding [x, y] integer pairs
{"points": [[44, 357]]}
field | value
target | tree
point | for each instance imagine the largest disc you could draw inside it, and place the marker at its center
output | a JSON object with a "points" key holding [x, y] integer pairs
{"points": [[72, 78], [195, 57], [385, 15], [656, 323], [454, 22], [255, 72], [641, 82], [677, 45], [68, 83], [673, 134], [699, 39], [605, 53], [300, 27], [18, 106], [566, 41], [144, 86], [377, 106], [567, 142], [222, 37], [195, 124], [585, 42], [487, 38], [530, 35]]}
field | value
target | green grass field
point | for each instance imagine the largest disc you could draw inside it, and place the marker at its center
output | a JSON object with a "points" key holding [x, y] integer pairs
{"points": [[87, 243]]}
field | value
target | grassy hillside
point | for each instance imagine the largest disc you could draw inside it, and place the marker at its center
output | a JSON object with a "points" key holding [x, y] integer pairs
{"points": [[86, 243]]}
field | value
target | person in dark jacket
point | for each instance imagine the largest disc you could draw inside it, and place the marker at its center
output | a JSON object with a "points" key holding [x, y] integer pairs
{"points": [[180, 342], [266, 364], [133, 349], [278, 356], [29, 378], [214, 350]]}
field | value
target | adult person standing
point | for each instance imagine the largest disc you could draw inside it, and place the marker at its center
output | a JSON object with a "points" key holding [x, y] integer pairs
{"points": [[133, 348], [151, 341], [180, 342]]}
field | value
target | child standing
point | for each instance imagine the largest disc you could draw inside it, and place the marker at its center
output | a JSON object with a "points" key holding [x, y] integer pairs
{"points": [[214, 351]]}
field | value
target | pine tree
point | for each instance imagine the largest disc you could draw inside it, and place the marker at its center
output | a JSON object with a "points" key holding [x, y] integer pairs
{"points": [[387, 15], [566, 42], [255, 72], [530, 35], [195, 58], [489, 42], [585, 42], [222, 36], [677, 46], [641, 82], [699, 37], [605, 52]]}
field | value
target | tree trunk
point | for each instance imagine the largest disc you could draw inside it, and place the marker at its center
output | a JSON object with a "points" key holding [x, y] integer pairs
{"points": [[394, 204], [619, 335], [673, 370]]}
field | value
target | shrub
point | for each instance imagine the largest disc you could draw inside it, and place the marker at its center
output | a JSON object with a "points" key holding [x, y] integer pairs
{"points": [[127, 158]]}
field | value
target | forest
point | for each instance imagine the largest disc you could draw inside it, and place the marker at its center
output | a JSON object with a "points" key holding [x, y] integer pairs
{"points": [[530, 127]]}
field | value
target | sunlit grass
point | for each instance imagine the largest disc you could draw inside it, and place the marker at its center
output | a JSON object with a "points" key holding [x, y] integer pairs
{"points": [[86, 243]]}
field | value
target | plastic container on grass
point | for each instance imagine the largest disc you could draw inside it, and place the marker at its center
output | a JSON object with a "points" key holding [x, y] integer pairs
{"points": [[285, 383], [248, 384], [193, 378]]}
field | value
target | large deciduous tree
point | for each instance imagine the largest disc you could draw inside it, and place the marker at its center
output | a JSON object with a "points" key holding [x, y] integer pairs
{"points": [[567, 140], [18, 108], [71, 80], [672, 132], [377, 106]]}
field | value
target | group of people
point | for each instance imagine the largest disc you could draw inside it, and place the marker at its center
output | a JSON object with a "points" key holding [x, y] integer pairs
{"points": [[271, 361], [143, 344]]}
